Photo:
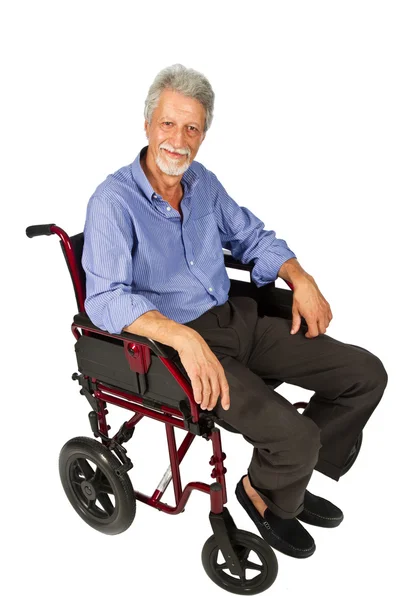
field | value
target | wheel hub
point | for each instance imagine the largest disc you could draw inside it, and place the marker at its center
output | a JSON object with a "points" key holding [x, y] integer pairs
{"points": [[88, 490]]}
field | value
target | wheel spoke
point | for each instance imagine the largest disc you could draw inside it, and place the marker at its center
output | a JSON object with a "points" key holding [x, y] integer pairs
{"points": [[91, 504], [77, 483], [105, 488], [250, 565], [221, 567], [106, 503], [85, 468], [97, 477]]}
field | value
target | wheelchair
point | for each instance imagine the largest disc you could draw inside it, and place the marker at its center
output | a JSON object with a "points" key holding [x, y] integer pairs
{"points": [[146, 377]]}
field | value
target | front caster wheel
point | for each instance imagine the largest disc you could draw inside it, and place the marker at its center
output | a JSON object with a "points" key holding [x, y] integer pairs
{"points": [[105, 500], [259, 572], [353, 454]]}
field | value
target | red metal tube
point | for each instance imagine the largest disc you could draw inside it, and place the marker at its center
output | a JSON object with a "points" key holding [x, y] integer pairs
{"points": [[173, 369], [173, 457], [72, 265], [141, 409], [218, 460], [174, 510]]}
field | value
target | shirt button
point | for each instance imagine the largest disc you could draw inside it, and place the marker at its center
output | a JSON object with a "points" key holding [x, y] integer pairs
{"points": [[191, 262], [210, 289], [168, 208]]}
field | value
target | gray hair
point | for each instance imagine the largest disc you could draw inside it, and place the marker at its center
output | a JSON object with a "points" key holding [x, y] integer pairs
{"points": [[186, 81]]}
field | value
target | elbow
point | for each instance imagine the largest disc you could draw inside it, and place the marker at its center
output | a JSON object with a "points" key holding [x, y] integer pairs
{"points": [[95, 310]]}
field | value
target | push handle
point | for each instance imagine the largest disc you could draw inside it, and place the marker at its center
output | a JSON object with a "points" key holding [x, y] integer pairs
{"points": [[34, 230]]}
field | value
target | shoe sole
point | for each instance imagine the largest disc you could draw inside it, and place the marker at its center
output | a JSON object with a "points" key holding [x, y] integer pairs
{"points": [[267, 532]]}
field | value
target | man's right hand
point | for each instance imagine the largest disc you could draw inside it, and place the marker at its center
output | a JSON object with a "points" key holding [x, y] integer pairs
{"points": [[206, 373]]}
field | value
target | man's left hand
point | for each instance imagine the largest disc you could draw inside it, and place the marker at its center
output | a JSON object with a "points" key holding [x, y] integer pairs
{"points": [[308, 302]]}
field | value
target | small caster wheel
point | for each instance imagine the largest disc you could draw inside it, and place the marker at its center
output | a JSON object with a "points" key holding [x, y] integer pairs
{"points": [[105, 500], [258, 576], [353, 454]]}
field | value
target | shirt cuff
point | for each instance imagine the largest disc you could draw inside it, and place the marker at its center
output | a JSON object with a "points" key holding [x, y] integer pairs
{"points": [[267, 267], [125, 309]]}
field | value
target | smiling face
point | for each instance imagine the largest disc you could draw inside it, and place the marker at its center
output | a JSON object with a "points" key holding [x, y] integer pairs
{"points": [[176, 132]]}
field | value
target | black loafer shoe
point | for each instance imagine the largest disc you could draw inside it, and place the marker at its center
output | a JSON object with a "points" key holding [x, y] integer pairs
{"points": [[320, 512], [286, 535]]}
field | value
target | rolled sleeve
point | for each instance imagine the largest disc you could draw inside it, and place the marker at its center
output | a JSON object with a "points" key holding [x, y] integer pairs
{"points": [[244, 235], [121, 311], [267, 266]]}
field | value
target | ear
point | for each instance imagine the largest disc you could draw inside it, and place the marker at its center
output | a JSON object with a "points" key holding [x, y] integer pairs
{"points": [[146, 128]]}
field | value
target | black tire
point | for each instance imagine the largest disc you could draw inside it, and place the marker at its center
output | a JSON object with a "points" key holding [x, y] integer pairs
{"points": [[89, 490], [243, 542], [353, 454]]}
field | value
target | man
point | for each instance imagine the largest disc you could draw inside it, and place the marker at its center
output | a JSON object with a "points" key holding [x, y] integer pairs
{"points": [[154, 264]]}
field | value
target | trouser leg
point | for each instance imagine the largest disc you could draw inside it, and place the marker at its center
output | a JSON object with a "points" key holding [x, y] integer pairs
{"points": [[348, 382], [285, 443]]}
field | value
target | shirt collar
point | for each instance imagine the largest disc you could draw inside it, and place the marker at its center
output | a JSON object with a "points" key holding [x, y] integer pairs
{"points": [[189, 178]]}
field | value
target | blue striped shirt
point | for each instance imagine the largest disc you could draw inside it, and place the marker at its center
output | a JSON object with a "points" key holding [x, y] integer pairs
{"points": [[139, 255]]}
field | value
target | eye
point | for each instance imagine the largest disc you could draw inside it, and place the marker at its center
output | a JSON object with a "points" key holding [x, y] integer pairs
{"points": [[192, 128], [167, 123]]}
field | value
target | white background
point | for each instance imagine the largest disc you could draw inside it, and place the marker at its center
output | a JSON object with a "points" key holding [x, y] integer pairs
{"points": [[306, 134]]}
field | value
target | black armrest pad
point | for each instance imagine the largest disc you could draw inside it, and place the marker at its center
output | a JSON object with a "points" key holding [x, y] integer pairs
{"points": [[82, 320], [276, 302], [233, 263]]}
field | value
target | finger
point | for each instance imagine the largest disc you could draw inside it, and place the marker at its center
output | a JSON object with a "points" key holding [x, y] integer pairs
{"points": [[296, 322], [206, 392], [321, 326], [214, 391], [224, 388], [312, 330], [197, 388]]}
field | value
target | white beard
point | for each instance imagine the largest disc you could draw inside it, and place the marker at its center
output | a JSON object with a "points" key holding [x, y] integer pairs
{"points": [[170, 166]]}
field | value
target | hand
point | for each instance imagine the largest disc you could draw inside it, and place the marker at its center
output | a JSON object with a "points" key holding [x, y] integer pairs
{"points": [[308, 302], [206, 373]]}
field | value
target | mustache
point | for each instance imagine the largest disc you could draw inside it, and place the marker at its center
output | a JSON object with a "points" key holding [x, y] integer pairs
{"points": [[182, 151]]}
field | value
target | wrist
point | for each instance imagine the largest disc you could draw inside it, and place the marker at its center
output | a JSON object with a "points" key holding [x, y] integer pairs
{"points": [[181, 335], [292, 271]]}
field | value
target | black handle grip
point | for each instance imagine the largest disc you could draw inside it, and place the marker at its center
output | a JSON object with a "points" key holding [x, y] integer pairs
{"points": [[34, 230]]}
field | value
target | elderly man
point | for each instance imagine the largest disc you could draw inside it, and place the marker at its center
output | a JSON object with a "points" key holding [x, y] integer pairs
{"points": [[154, 265]]}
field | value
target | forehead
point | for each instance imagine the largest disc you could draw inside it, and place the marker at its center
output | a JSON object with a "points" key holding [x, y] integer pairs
{"points": [[174, 104]]}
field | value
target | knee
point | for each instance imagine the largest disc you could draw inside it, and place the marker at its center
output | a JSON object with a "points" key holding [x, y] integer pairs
{"points": [[374, 373], [380, 375]]}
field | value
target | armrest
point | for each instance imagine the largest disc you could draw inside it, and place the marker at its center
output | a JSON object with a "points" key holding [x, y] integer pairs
{"points": [[233, 263], [276, 302], [82, 320]]}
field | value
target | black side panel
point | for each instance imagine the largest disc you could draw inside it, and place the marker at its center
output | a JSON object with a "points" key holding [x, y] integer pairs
{"points": [[107, 362]]}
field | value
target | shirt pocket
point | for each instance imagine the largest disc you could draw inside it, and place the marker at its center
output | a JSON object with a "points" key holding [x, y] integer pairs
{"points": [[207, 236]]}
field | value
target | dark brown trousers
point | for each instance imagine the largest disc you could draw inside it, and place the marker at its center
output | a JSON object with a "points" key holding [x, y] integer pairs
{"points": [[348, 383]]}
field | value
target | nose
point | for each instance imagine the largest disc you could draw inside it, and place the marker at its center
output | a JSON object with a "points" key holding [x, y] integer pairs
{"points": [[178, 139]]}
